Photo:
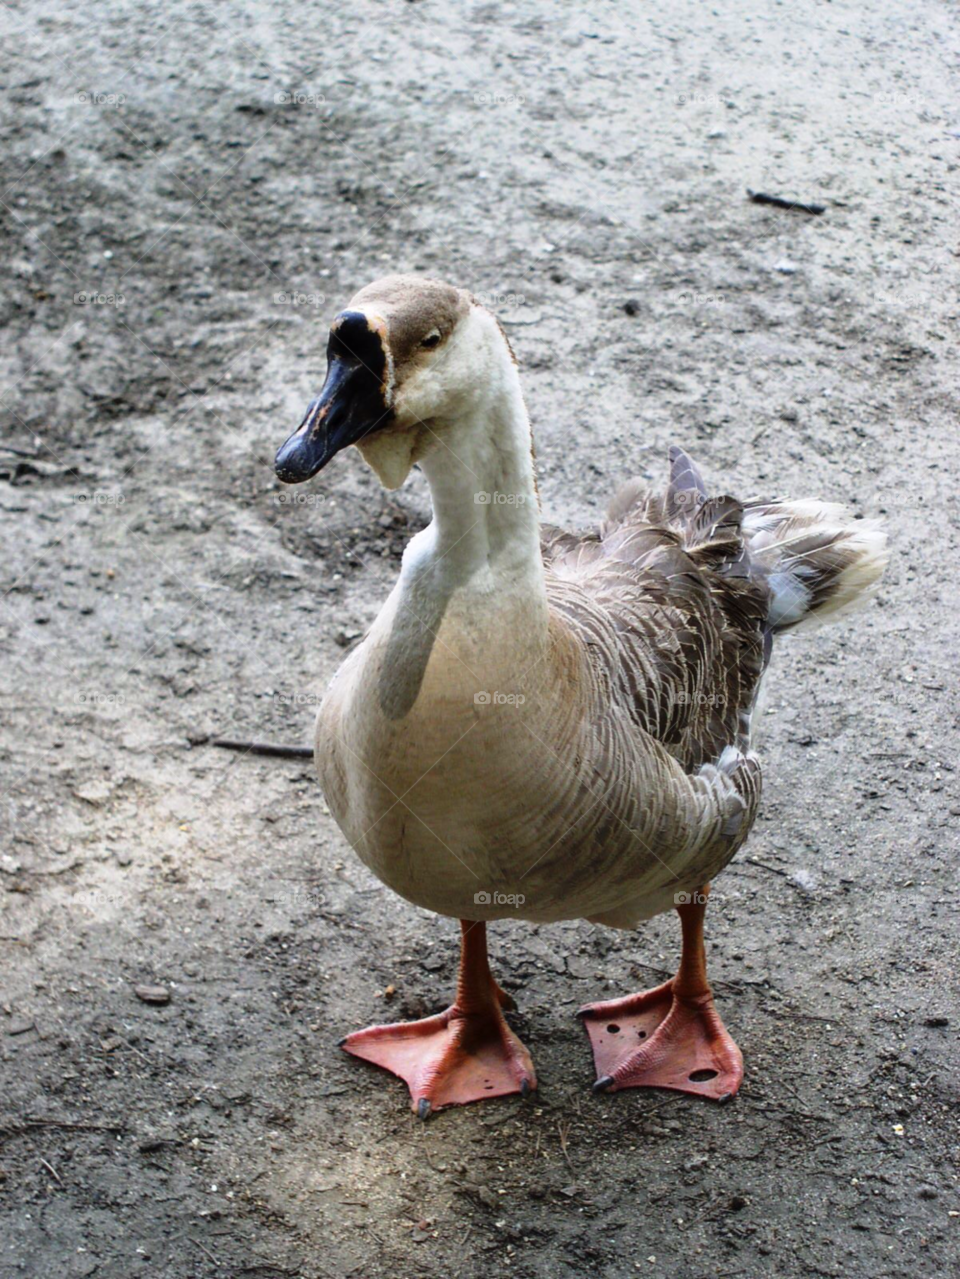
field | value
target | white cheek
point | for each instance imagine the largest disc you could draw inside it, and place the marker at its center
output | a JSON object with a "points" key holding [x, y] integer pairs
{"points": [[420, 396], [447, 383]]}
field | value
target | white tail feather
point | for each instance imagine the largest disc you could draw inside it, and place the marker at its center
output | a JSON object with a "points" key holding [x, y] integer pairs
{"points": [[818, 561]]}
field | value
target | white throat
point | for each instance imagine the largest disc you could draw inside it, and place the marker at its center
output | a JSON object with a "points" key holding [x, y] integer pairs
{"points": [[476, 571], [486, 516], [474, 446]]}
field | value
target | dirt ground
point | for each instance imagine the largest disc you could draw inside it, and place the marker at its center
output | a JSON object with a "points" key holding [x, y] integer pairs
{"points": [[189, 193]]}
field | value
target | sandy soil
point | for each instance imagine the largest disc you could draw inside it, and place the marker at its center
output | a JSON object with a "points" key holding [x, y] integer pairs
{"points": [[189, 192]]}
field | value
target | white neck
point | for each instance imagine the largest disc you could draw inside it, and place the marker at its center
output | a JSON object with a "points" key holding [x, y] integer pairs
{"points": [[486, 519], [478, 566]]}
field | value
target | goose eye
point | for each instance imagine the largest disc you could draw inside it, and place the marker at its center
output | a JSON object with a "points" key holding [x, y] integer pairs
{"points": [[431, 340]]}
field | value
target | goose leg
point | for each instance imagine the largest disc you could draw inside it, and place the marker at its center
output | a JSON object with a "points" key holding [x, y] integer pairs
{"points": [[671, 1036], [466, 1053]]}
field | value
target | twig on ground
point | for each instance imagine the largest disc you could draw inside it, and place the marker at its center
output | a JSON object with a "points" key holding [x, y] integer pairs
{"points": [[203, 1248], [760, 197], [563, 1131], [263, 748], [774, 870]]}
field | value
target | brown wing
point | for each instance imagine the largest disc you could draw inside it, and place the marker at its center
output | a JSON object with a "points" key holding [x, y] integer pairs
{"points": [[673, 621]]}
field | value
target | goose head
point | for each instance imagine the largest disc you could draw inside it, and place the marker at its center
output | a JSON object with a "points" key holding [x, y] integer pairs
{"points": [[406, 358]]}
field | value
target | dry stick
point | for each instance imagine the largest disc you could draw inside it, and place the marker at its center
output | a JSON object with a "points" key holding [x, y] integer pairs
{"points": [[752, 861], [264, 748], [759, 197], [204, 1249], [8, 1132], [52, 1171], [37, 1122], [563, 1131]]}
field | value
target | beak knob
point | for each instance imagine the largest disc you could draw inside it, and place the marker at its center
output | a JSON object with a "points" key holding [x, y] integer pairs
{"points": [[351, 404]]}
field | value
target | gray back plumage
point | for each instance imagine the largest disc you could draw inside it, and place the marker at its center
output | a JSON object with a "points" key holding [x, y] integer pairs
{"points": [[674, 621]]}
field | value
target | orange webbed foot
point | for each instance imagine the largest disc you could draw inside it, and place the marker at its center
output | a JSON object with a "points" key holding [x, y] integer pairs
{"points": [[450, 1059], [656, 1039]]}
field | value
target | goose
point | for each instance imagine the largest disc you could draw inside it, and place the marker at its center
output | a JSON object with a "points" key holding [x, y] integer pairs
{"points": [[546, 725]]}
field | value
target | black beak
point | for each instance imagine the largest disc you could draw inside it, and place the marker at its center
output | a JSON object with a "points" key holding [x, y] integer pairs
{"points": [[351, 404]]}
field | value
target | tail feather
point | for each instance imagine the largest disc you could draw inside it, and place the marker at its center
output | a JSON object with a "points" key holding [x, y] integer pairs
{"points": [[817, 561], [686, 491], [814, 559]]}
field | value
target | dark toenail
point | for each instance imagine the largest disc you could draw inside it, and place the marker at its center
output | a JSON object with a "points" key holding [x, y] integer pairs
{"points": [[727, 1096], [423, 1108], [341, 1042], [603, 1083], [524, 1087]]}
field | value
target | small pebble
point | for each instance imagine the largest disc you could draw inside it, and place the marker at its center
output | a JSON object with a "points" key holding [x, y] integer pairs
{"points": [[152, 994]]}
